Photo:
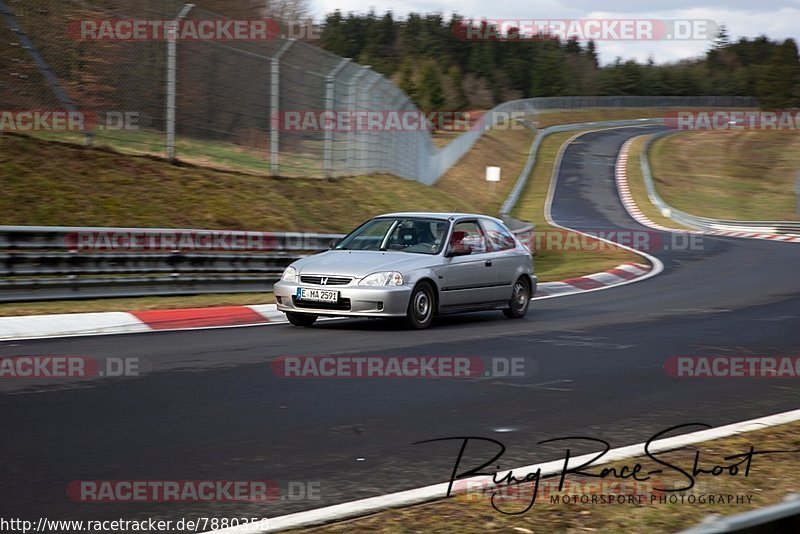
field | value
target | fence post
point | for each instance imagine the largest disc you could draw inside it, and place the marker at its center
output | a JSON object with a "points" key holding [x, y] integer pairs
{"points": [[274, 104], [172, 30], [351, 106], [330, 93], [365, 138]]}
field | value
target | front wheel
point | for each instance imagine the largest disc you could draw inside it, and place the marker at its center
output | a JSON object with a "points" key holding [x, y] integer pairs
{"points": [[420, 307], [301, 319], [520, 300]]}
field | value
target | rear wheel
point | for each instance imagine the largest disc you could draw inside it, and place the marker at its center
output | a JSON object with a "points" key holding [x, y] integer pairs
{"points": [[301, 319], [420, 307], [520, 300]]}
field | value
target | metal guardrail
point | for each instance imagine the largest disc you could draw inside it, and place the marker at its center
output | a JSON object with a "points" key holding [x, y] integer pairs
{"points": [[783, 517], [54, 263], [519, 186], [705, 223], [68, 237]]}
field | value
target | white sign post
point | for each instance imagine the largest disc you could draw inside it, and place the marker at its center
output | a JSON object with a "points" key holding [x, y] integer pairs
{"points": [[493, 176]]}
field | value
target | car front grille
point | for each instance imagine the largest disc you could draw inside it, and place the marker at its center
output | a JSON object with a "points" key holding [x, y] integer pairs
{"points": [[329, 280], [342, 305]]}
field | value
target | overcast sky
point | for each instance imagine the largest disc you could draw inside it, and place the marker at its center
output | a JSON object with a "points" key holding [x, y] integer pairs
{"points": [[778, 19]]}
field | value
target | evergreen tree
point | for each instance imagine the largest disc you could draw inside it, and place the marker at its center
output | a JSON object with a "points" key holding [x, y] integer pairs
{"points": [[431, 95], [778, 88], [407, 80], [457, 81]]}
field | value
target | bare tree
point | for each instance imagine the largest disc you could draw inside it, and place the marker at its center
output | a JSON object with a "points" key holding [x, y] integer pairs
{"points": [[283, 10], [288, 10]]}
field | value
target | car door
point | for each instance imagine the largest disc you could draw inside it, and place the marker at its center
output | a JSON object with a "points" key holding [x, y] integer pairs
{"points": [[504, 256], [467, 280]]}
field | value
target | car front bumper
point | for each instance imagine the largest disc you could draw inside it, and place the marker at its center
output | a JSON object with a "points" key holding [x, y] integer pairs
{"points": [[354, 301]]}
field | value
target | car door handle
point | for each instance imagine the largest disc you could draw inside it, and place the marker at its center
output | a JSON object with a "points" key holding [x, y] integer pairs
{"points": [[488, 263]]}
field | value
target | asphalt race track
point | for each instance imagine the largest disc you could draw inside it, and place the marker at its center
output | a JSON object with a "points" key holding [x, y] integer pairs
{"points": [[210, 407]]}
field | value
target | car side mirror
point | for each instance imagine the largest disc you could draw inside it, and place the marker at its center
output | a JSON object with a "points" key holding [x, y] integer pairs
{"points": [[459, 250]]}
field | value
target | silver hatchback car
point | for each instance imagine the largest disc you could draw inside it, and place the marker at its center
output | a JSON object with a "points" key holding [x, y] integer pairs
{"points": [[414, 266]]}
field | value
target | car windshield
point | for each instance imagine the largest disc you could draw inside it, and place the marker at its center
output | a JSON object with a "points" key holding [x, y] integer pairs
{"points": [[404, 234]]}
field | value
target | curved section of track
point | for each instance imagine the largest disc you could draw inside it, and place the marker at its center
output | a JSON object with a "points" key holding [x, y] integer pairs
{"points": [[210, 407]]}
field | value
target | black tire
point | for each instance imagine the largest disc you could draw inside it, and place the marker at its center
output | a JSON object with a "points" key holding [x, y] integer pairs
{"points": [[420, 307], [520, 299], [301, 319]]}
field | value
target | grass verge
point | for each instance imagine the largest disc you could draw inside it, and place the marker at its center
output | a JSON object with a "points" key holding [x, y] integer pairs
{"points": [[466, 180], [769, 480], [741, 175], [49, 183]]}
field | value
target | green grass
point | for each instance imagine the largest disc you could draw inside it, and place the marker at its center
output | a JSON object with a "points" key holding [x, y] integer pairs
{"points": [[745, 175], [48, 183], [302, 159]]}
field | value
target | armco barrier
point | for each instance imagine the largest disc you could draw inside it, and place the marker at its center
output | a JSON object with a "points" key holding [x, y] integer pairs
{"points": [[55, 263], [783, 517], [705, 223]]}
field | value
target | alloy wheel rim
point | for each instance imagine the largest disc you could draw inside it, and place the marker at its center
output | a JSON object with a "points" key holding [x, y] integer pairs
{"points": [[422, 305], [519, 295]]}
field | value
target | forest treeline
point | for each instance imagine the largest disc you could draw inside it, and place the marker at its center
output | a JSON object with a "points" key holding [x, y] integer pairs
{"points": [[431, 60]]}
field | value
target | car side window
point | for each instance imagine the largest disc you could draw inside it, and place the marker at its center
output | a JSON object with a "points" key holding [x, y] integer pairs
{"points": [[469, 234], [498, 237]]}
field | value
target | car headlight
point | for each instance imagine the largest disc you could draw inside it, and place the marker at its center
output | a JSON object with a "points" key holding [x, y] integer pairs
{"points": [[389, 278], [289, 275]]}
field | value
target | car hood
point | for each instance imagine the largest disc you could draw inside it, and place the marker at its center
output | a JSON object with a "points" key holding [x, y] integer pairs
{"points": [[360, 263]]}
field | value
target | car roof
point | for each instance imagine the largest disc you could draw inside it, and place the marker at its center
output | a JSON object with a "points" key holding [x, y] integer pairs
{"points": [[439, 215]]}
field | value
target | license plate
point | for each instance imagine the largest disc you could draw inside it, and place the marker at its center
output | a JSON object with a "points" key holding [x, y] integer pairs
{"points": [[317, 295]]}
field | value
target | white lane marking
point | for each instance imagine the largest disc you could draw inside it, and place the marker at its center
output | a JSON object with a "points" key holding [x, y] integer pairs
{"points": [[434, 492], [69, 324], [633, 269], [268, 311], [605, 278]]}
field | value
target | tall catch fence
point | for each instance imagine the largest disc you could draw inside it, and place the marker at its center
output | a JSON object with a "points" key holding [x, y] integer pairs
{"points": [[223, 102]]}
